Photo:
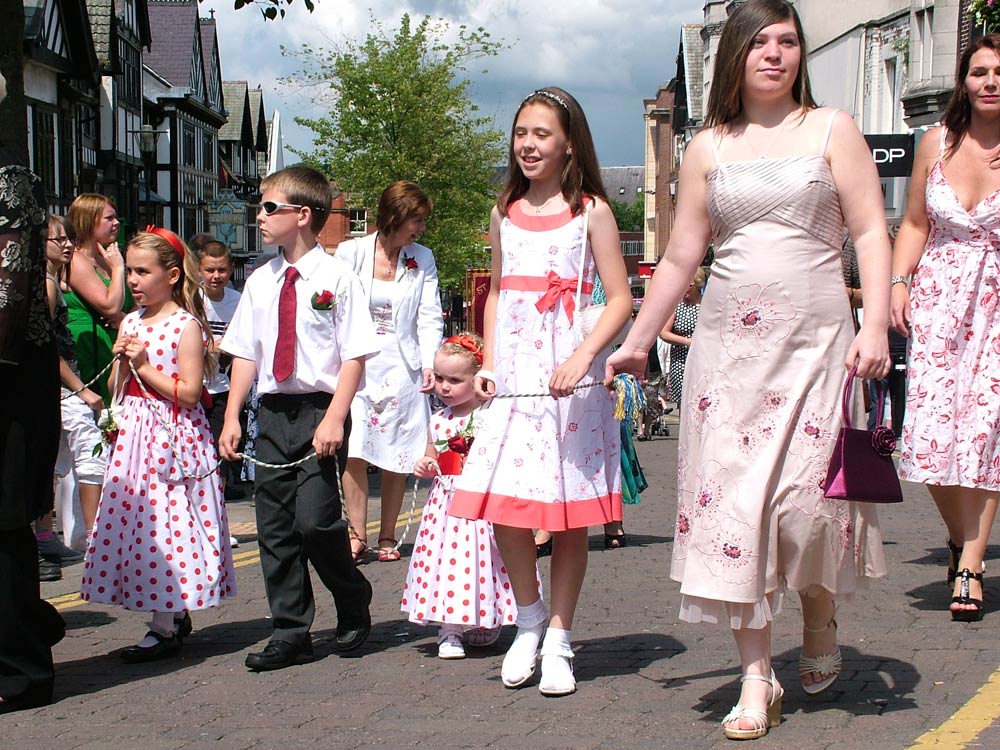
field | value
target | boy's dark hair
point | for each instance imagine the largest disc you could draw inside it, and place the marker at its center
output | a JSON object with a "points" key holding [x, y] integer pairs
{"points": [[303, 186], [215, 249]]}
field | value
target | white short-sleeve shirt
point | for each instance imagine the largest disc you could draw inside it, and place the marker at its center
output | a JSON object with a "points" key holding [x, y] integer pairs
{"points": [[324, 338]]}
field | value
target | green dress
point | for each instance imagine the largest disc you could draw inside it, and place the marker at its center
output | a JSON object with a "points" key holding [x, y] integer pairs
{"points": [[93, 339]]}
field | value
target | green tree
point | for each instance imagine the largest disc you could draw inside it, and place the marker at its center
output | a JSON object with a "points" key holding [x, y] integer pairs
{"points": [[271, 9], [402, 112], [630, 216]]}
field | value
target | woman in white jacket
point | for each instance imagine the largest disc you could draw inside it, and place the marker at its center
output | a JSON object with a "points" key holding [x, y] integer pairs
{"points": [[390, 414]]}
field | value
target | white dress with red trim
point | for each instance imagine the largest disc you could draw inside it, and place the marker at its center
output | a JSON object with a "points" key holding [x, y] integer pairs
{"points": [[456, 574], [540, 462], [161, 539]]}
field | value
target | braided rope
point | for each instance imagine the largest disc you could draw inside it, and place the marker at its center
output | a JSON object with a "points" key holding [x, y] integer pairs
{"points": [[87, 385]]}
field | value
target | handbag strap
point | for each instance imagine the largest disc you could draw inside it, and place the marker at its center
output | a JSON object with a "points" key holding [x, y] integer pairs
{"points": [[845, 400], [583, 252]]}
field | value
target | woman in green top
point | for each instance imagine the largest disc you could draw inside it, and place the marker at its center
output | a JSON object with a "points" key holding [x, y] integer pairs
{"points": [[98, 297]]}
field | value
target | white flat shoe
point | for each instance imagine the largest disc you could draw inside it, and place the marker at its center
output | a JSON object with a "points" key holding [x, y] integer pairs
{"points": [[450, 647], [557, 672], [519, 661]]}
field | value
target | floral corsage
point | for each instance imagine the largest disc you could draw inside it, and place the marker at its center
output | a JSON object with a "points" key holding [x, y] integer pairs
{"points": [[109, 432], [323, 300], [409, 262], [461, 441]]}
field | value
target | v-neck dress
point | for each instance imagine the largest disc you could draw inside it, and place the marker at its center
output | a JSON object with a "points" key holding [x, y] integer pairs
{"points": [[951, 432], [761, 397]]}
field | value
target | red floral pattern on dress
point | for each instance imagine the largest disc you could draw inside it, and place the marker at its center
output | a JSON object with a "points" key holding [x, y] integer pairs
{"points": [[951, 434]]}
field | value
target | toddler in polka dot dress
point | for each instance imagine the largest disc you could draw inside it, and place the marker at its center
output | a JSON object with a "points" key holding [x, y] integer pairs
{"points": [[456, 578], [160, 543]]}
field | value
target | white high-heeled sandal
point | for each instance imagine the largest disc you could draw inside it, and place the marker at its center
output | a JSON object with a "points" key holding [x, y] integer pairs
{"points": [[830, 664], [557, 671], [762, 720]]}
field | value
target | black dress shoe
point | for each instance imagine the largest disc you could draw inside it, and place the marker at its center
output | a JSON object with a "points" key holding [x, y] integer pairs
{"points": [[38, 694], [278, 655], [351, 633], [163, 648], [183, 626]]}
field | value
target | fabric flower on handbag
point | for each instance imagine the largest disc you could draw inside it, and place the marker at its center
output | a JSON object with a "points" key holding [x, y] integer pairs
{"points": [[410, 263], [323, 300], [884, 443]]}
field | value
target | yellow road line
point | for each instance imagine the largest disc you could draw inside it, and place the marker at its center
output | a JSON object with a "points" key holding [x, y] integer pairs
{"points": [[967, 723], [240, 560]]}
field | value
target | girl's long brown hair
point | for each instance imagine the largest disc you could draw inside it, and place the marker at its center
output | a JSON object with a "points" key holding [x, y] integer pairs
{"points": [[725, 100], [581, 174], [187, 291]]}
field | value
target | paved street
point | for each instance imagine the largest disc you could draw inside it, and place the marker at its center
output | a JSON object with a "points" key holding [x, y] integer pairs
{"points": [[645, 680]]}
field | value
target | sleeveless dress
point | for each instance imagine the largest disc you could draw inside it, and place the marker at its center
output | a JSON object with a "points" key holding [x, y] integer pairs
{"points": [[161, 539], [456, 573], [539, 462], [951, 430], [761, 402], [685, 320]]}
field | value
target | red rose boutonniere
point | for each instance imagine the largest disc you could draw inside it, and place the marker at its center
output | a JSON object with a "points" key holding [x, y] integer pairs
{"points": [[410, 263], [460, 444], [323, 300], [461, 441]]}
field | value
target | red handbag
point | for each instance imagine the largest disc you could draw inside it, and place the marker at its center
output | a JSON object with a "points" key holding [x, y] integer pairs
{"points": [[861, 467]]}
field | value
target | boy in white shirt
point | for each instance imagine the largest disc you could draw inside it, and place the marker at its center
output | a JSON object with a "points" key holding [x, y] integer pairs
{"points": [[302, 327], [215, 265]]}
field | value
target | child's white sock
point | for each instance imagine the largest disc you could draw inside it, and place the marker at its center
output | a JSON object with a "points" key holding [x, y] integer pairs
{"points": [[557, 663], [519, 662]]}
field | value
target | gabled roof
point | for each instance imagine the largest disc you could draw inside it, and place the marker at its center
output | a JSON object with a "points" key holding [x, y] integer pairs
{"points": [[258, 119], [239, 126], [58, 34], [177, 38], [692, 54], [102, 26], [210, 62], [623, 184]]}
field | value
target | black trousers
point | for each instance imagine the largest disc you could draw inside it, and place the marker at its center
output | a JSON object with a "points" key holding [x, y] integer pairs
{"points": [[299, 518], [29, 625]]}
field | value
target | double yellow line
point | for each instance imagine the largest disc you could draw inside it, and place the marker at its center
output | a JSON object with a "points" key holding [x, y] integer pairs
{"points": [[240, 560]]}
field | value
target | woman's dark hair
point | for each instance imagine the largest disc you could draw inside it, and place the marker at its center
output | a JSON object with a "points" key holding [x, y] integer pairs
{"points": [[725, 100], [958, 114], [581, 174]]}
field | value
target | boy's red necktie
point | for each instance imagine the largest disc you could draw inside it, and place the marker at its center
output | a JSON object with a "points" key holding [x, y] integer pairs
{"points": [[284, 348]]}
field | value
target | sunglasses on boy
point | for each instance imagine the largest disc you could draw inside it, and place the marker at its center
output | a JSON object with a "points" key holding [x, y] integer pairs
{"points": [[272, 207]]}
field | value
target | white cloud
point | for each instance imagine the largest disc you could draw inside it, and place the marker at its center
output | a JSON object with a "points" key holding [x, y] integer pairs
{"points": [[610, 54]]}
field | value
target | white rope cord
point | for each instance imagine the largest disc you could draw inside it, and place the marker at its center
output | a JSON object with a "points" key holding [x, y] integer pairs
{"points": [[578, 387], [87, 385]]}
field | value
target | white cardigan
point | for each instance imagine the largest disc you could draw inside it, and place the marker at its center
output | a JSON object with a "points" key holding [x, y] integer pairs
{"points": [[416, 304]]}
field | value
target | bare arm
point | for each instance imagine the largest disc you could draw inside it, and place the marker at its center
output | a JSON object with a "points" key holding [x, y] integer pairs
{"points": [[606, 246], [241, 377], [330, 431], [668, 335], [914, 231], [856, 179], [689, 241], [106, 300]]}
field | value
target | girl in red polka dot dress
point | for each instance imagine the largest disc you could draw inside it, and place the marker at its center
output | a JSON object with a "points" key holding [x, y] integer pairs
{"points": [[456, 577], [161, 540]]}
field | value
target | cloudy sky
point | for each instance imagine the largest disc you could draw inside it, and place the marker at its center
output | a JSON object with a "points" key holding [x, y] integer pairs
{"points": [[610, 54]]}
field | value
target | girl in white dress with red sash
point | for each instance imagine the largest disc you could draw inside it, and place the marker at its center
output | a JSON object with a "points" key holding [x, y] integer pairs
{"points": [[549, 461]]}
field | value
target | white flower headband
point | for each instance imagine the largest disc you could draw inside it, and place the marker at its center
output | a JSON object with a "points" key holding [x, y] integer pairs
{"points": [[548, 95]]}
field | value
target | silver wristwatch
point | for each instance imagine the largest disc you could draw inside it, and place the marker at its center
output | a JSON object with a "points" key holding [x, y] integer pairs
{"points": [[899, 280]]}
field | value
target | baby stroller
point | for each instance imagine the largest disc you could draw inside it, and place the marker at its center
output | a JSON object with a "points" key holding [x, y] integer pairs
{"points": [[654, 417]]}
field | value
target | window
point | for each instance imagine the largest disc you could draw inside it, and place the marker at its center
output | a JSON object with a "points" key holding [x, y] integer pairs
{"points": [[67, 170], [44, 147], [130, 75], [207, 152], [357, 220], [251, 234], [633, 247], [187, 146]]}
